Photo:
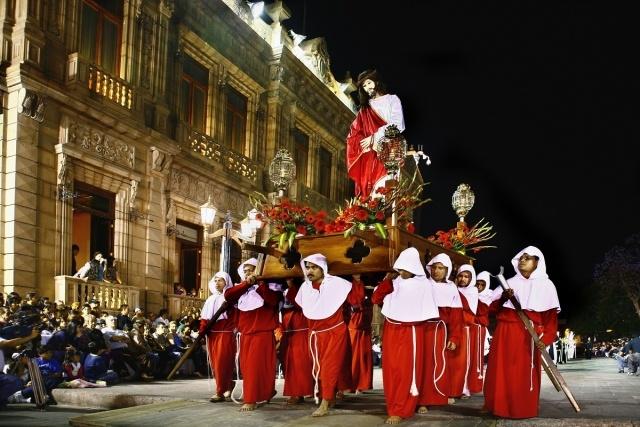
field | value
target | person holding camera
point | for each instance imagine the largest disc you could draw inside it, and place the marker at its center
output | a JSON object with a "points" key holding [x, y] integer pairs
{"points": [[10, 384]]}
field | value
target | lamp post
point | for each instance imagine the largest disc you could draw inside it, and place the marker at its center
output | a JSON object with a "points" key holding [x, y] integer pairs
{"points": [[282, 170], [462, 201]]}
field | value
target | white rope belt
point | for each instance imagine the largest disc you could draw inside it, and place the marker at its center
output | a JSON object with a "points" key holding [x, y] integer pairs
{"points": [[233, 398], [313, 348], [479, 351], [444, 359], [465, 388], [414, 388]]}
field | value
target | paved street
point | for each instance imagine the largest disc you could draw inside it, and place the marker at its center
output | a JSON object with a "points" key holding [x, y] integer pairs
{"points": [[606, 398]]}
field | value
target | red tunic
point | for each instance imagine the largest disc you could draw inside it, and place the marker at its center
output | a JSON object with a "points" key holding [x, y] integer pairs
{"points": [[221, 350], [475, 378], [364, 168], [328, 340], [453, 376], [360, 336], [257, 343], [512, 384], [294, 348], [398, 359]]}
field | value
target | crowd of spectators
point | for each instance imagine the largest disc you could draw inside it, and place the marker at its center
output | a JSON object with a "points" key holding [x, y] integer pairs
{"points": [[625, 351], [81, 345]]}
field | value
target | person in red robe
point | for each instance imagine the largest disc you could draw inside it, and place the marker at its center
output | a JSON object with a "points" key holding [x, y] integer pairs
{"points": [[221, 343], [322, 297], [512, 383], [407, 304], [257, 319], [361, 314], [471, 346], [482, 315], [296, 357], [377, 111], [445, 380]]}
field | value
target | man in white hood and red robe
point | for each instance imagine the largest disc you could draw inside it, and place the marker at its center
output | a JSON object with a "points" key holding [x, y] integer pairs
{"points": [[485, 298], [450, 307], [257, 319], [322, 297], [407, 304], [512, 383], [472, 349], [221, 343]]}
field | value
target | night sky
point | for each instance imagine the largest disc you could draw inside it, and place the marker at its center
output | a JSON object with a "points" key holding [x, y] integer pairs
{"points": [[531, 106]]}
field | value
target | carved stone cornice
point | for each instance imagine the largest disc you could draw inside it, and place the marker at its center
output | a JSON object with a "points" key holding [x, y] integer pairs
{"points": [[100, 144], [197, 189]]}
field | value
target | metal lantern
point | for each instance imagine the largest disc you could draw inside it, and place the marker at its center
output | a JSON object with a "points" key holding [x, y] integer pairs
{"points": [[282, 170], [462, 200], [208, 213], [393, 150]]}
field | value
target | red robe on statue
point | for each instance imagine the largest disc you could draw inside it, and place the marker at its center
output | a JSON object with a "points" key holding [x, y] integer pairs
{"points": [[360, 336], [221, 350], [329, 336], [296, 358], [364, 168], [512, 383], [257, 343]]}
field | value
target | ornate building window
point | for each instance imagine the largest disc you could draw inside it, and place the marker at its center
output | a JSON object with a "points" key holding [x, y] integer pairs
{"points": [[301, 154], [189, 253], [194, 83], [93, 221], [236, 120], [101, 32], [323, 181]]}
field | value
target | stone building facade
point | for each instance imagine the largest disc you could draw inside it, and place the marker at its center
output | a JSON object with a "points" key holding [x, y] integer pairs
{"points": [[121, 117]]}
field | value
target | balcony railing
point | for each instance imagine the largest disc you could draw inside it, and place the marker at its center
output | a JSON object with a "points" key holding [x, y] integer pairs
{"points": [[179, 304], [314, 199], [99, 82], [206, 147], [110, 295]]}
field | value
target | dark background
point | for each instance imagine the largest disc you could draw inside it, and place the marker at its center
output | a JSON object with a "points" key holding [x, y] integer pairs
{"points": [[531, 105]]}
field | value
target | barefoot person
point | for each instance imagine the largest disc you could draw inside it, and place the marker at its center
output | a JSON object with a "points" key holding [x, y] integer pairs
{"points": [[257, 319], [322, 297], [407, 303], [470, 360], [359, 325], [512, 384], [221, 343]]}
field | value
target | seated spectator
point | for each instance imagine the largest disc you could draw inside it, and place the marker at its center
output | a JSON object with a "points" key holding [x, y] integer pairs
{"points": [[124, 322], [96, 367], [163, 317], [51, 370], [73, 366]]}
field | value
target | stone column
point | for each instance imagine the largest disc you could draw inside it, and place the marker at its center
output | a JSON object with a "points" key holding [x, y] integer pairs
{"points": [[19, 209], [64, 214]]}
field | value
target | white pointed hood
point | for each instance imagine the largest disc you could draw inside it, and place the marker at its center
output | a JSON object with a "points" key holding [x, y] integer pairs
{"points": [[322, 303], [446, 294], [215, 300], [537, 293], [470, 292], [412, 299], [250, 300], [485, 296]]}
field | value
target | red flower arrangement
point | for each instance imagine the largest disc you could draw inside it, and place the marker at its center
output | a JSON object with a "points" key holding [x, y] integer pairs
{"points": [[289, 218], [363, 212], [462, 238]]}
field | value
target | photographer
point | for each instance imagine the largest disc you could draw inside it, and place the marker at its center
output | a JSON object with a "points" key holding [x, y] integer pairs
{"points": [[8, 383]]}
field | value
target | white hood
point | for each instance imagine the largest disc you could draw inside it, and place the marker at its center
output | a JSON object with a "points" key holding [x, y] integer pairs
{"points": [[215, 300], [470, 292], [322, 303]]}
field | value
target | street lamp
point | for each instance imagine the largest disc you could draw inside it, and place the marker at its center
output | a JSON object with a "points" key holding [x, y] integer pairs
{"points": [[282, 170], [207, 214]]}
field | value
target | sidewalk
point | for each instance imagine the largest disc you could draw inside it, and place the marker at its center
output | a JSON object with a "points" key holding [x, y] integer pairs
{"points": [[606, 398]]}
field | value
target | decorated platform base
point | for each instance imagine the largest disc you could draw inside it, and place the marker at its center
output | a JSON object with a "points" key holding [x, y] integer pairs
{"points": [[362, 252]]}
